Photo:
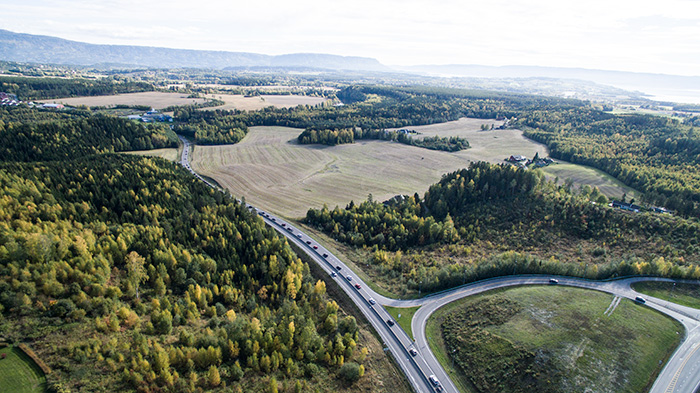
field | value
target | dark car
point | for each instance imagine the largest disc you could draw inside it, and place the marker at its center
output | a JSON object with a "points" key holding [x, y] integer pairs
{"points": [[338, 268], [390, 322], [640, 299], [284, 225], [308, 242], [553, 281], [333, 274], [325, 255]]}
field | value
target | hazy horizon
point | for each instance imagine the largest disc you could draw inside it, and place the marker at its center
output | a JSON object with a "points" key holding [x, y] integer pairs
{"points": [[624, 35]]}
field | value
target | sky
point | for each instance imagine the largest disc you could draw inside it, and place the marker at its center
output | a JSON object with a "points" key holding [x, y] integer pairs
{"points": [[626, 35]]}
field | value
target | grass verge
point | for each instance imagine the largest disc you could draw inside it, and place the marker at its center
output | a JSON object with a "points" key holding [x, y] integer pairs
{"points": [[19, 374], [350, 256], [403, 316], [679, 293], [559, 339]]}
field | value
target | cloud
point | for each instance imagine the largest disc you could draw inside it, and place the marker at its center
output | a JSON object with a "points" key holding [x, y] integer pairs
{"points": [[620, 34]]}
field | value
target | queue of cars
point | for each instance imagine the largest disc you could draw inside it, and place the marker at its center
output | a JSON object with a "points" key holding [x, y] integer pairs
{"points": [[390, 322]]}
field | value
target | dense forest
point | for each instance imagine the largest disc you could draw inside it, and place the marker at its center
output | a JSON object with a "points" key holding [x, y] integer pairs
{"points": [[656, 155], [349, 135], [126, 273], [28, 89], [492, 220], [28, 134]]}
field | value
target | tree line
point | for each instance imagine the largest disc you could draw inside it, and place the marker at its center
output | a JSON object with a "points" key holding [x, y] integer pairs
{"points": [[33, 135], [349, 135], [28, 89], [427, 242]]}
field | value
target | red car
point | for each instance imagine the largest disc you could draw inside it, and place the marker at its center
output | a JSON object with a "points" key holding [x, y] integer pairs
{"points": [[357, 286]]}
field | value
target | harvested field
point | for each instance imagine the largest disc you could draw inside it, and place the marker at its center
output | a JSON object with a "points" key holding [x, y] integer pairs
{"points": [[582, 175], [272, 171], [237, 101], [155, 99], [492, 146]]}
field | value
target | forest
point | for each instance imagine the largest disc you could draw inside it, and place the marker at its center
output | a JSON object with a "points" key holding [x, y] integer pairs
{"points": [[28, 89], [492, 220], [126, 273], [653, 154], [28, 134], [368, 108], [657, 155], [349, 135]]}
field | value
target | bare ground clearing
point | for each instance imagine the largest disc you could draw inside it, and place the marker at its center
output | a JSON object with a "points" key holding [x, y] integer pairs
{"points": [[237, 101], [155, 99], [170, 154]]}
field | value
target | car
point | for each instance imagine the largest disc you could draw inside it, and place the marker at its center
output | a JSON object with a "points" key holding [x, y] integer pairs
{"points": [[372, 301], [358, 286], [261, 213], [640, 299], [553, 281], [273, 219], [333, 274], [284, 225], [413, 352], [315, 247], [390, 322], [325, 255], [434, 380], [290, 229], [338, 268], [349, 278], [308, 242]]}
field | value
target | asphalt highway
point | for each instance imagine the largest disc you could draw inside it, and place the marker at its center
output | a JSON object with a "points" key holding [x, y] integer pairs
{"points": [[680, 375]]}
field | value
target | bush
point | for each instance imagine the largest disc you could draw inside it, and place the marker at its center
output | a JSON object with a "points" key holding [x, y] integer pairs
{"points": [[350, 372]]}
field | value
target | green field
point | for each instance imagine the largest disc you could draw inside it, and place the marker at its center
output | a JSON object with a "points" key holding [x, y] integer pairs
{"points": [[403, 317], [552, 339], [19, 374], [683, 294], [582, 175]]}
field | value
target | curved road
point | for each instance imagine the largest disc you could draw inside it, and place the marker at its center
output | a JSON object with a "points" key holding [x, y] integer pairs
{"points": [[680, 375]]}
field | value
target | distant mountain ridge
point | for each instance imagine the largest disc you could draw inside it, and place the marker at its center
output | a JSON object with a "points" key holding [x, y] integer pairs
{"points": [[655, 84], [51, 50]]}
